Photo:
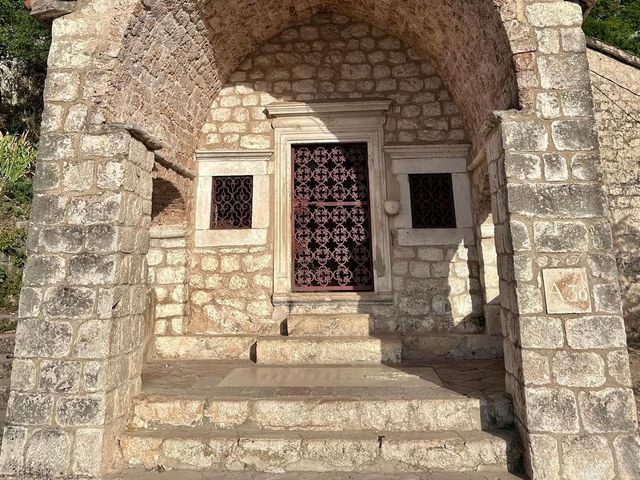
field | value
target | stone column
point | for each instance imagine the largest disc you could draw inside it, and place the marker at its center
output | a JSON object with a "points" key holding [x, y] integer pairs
{"points": [[79, 341], [565, 347], [81, 333]]}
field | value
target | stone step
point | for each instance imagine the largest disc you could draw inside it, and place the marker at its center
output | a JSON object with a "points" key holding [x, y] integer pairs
{"points": [[137, 474], [449, 346], [438, 411], [428, 347], [328, 350], [382, 452], [334, 325], [204, 347]]}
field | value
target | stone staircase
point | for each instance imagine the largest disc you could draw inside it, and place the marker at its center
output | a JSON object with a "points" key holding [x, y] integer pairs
{"points": [[323, 339], [322, 399]]}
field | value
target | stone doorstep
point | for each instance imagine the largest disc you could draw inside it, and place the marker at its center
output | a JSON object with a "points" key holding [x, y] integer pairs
{"points": [[441, 412], [328, 350], [336, 325], [135, 474], [377, 452]]}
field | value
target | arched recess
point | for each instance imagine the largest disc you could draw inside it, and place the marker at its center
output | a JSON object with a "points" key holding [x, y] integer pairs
{"points": [[176, 56]]}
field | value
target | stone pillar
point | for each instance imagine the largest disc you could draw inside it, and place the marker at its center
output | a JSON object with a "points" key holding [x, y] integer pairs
{"points": [[565, 347], [80, 335]]}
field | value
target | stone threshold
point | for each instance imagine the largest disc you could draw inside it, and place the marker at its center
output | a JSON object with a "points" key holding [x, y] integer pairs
{"points": [[314, 298], [136, 474]]}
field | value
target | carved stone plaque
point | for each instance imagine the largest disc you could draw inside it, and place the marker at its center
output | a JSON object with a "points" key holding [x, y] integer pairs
{"points": [[566, 290]]}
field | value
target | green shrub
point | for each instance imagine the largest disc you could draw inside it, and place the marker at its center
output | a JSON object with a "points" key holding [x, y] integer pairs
{"points": [[616, 22], [17, 160]]}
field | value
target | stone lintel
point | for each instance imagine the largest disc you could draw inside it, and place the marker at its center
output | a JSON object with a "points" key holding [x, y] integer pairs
{"points": [[46, 11]]}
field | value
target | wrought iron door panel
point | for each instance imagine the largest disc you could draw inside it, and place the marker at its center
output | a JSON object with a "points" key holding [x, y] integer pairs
{"points": [[331, 218]]}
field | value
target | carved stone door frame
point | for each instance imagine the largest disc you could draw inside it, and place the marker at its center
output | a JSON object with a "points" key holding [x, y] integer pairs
{"points": [[343, 122]]}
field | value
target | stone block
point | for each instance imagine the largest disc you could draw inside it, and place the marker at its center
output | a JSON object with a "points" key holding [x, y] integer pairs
{"points": [[88, 210], [62, 86], [541, 332], [54, 147], [601, 236], [48, 209], [524, 136], [59, 376], [101, 238], [14, 441], [593, 332], [607, 298], [23, 375], [618, 367], [560, 236], [42, 338], [67, 239], [545, 14], [574, 134], [603, 266], [555, 167], [93, 269], [48, 452], [551, 410], [558, 201], [522, 166], [93, 339], [569, 71], [44, 270], [69, 302], [575, 369], [105, 145], [30, 408], [77, 176], [608, 410], [547, 103], [535, 368], [627, 450], [587, 458], [81, 411], [87, 448], [544, 456]]}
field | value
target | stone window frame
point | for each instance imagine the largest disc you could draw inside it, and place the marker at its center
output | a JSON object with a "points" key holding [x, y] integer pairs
{"points": [[416, 159], [218, 163], [321, 122]]}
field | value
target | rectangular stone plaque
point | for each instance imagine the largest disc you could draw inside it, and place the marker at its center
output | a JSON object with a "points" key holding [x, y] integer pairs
{"points": [[566, 290]]}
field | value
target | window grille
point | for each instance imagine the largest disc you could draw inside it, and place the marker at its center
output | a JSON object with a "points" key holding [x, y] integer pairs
{"points": [[231, 202]]}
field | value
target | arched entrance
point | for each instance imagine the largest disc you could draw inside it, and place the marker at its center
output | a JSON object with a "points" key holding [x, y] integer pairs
{"points": [[134, 78]]}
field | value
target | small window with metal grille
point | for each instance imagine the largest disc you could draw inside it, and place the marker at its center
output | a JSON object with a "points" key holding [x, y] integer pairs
{"points": [[432, 203], [231, 202]]}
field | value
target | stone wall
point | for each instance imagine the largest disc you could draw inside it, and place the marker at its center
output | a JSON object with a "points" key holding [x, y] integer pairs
{"points": [[333, 57], [167, 262], [436, 289], [616, 91]]}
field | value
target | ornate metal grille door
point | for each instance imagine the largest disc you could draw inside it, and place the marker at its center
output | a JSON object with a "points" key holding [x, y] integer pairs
{"points": [[331, 218]]}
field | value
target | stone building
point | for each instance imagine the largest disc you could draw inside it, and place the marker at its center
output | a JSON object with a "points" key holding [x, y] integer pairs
{"points": [[325, 236]]}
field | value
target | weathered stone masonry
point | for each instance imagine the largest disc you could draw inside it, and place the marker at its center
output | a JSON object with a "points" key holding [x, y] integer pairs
{"points": [[617, 105], [159, 66]]}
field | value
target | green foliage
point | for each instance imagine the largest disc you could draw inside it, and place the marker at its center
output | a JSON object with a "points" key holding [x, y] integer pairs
{"points": [[24, 47], [17, 160], [10, 284], [616, 22]]}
